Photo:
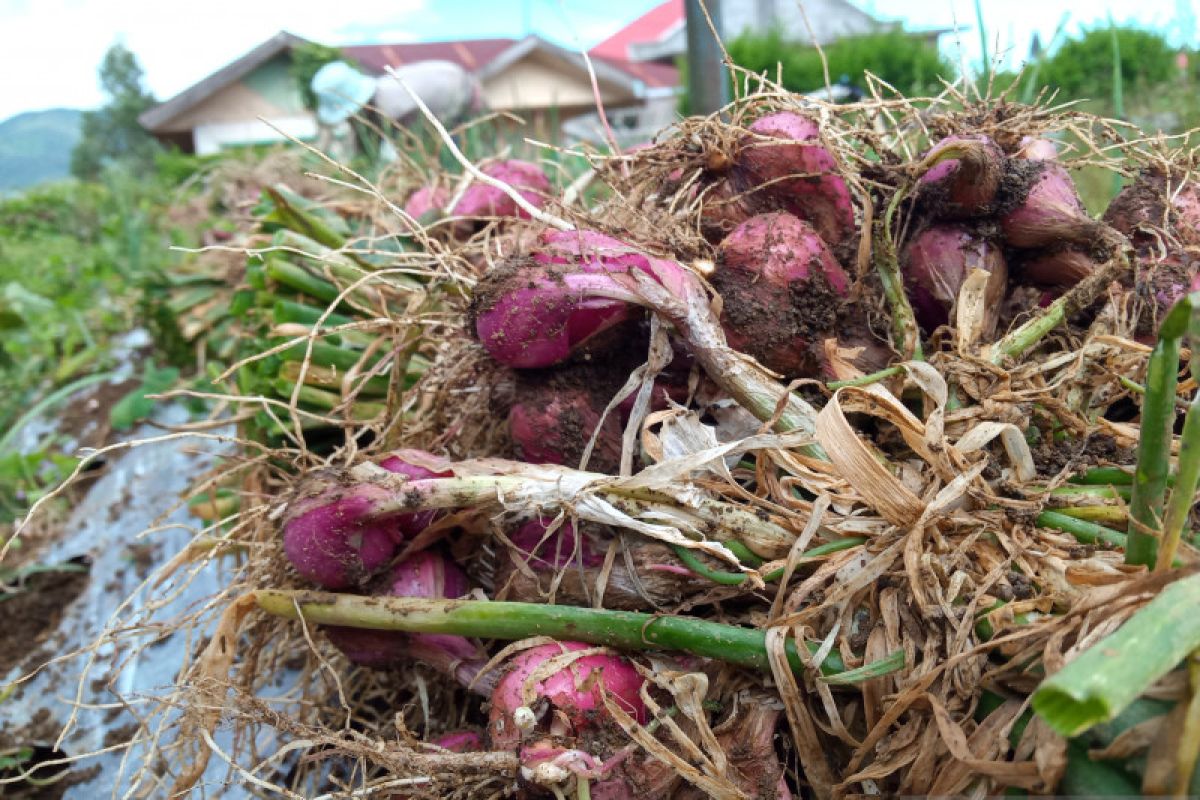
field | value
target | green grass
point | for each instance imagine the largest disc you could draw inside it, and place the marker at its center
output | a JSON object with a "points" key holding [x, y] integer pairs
{"points": [[74, 261]]}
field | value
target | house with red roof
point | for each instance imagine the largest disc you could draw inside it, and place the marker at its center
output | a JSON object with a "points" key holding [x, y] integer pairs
{"points": [[255, 98]]}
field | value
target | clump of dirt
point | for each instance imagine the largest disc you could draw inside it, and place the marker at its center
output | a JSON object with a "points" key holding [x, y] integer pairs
{"points": [[1051, 458], [32, 611], [784, 335]]}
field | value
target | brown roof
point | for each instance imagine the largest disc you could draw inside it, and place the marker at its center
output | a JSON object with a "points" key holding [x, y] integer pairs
{"points": [[471, 54]]}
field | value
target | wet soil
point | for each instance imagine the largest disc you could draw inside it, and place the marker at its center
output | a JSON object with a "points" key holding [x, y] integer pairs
{"points": [[32, 612]]}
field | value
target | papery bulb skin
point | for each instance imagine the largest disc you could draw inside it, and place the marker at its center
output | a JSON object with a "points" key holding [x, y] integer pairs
{"points": [[936, 263]]}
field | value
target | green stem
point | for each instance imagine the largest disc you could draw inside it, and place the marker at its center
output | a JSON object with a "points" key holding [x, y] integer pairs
{"points": [[1102, 515], [865, 380], [362, 411], [1100, 682], [904, 322], [1105, 476], [1154, 442], [624, 630], [1017, 342], [1097, 491], [303, 281], [331, 377], [724, 578], [284, 311], [1083, 531], [1187, 474]]}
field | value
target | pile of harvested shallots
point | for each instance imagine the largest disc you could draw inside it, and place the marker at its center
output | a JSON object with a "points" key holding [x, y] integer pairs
{"points": [[807, 451]]}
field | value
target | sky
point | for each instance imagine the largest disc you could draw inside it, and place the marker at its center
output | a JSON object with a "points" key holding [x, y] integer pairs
{"points": [[49, 49]]}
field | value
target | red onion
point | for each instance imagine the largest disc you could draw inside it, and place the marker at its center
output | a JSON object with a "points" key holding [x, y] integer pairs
{"points": [[1153, 203], [425, 574], [570, 689], [780, 288], [564, 547], [482, 200], [1050, 214], [416, 465], [536, 312], [1037, 149], [552, 425], [329, 542], [1060, 269], [427, 200], [936, 263], [1168, 279], [963, 175], [460, 742], [799, 178]]}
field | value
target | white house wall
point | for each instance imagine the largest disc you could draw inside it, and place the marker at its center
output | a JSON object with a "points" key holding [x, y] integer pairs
{"points": [[211, 137]]}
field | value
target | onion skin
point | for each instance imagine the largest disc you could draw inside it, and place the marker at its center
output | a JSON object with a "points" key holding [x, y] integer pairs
{"points": [[547, 552], [482, 200], [780, 286], [800, 177], [537, 311], [460, 742], [1153, 205], [1060, 269], [651, 576], [963, 176], [552, 425], [426, 201], [1037, 149], [583, 708], [328, 541], [426, 574], [936, 263], [1051, 213], [410, 463]]}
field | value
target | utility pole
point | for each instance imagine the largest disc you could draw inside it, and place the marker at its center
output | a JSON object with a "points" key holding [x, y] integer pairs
{"points": [[708, 81]]}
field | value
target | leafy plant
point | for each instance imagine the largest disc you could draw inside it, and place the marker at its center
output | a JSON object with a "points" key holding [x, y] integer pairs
{"points": [[906, 61], [1083, 67], [137, 405]]}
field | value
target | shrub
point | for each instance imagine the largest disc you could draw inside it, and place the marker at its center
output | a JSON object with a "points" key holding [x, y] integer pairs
{"points": [[1083, 67], [907, 62]]}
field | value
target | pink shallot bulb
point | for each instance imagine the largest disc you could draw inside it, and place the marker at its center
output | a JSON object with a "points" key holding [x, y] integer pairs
{"points": [[780, 288]]}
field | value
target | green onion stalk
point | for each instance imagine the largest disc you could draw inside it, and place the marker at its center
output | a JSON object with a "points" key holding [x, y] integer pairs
{"points": [[1154, 443], [1022, 339], [625, 630], [1187, 476], [1103, 680]]}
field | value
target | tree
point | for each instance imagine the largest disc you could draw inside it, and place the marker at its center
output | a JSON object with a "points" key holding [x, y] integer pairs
{"points": [[907, 62], [1083, 68], [112, 133]]}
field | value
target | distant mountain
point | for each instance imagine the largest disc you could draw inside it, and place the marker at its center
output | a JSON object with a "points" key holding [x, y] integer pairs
{"points": [[36, 146]]}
